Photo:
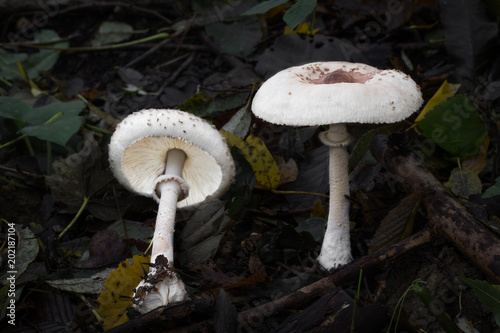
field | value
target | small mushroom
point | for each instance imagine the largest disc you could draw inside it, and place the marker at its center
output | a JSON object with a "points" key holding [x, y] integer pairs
{"points": [[177, 159], [336, 93]]}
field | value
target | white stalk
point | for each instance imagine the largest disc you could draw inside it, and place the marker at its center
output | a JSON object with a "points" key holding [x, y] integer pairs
{"points": [[170, 289], [169, 190], [336, 247]]}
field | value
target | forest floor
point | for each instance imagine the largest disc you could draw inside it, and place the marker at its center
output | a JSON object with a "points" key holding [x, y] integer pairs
{"points": [[425, 243]]}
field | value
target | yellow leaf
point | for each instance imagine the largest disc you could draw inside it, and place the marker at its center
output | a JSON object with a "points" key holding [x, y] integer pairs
{"points": [[119, 289], [318, 210], [35, 90], [303, 28], [267, 173], [444, 92]]}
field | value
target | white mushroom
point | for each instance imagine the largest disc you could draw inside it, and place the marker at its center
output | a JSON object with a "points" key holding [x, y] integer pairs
{"points": [[336, 93], [178, 159]]}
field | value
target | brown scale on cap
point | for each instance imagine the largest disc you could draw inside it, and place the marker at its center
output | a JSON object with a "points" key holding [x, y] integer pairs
{"points": [[340, 76]]}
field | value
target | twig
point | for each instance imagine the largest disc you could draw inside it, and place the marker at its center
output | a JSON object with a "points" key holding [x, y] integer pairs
{"points": [[179, 71], [184, 33], [21, 172], [89, 48], [153, 49], [447, 217]]}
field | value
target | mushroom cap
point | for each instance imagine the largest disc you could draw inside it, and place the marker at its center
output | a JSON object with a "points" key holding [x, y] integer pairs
{"points": [[140, 143], [296, 96]]}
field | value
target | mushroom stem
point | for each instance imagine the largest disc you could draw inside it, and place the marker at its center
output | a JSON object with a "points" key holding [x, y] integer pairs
{"points": [[336, 248], [169, 190], [154, 291]]}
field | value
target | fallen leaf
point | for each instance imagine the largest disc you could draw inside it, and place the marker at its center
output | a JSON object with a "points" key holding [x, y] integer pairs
{"points": [[26, 251], [398, 224], [455, 126], [91, 285], [463, 182], [105, 248], [119, 289], [112, 32], [478, 162], [288, 170], [493, 190], [267, 173], [444, 92], [201, 237], [82, 175], [239, 124]]}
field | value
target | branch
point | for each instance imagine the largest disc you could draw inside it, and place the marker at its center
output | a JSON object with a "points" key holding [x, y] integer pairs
{"points": [[447, 217]]}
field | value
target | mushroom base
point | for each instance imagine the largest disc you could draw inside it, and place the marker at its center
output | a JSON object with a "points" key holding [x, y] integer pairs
{"points": [[161, 287]]}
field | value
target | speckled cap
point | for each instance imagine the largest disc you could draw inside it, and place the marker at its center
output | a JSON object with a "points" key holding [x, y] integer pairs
{"points": [[323, 93], [140, 143]]}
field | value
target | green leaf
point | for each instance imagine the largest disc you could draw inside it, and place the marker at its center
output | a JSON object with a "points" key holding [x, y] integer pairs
{"points": [[264, 7], [13, 108], [493, 190], [112, 32], [298, 12], [455, 126], [464, 182], [59, 131], [239, 44], [487, 294], [35, 63], [43, 60], [38, 116], [8, 67], [361, 151], [444, 92], [221, 104]]}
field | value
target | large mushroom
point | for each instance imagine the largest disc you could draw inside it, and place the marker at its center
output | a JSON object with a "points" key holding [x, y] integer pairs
{"points": [[178, 159], [336, 93]]}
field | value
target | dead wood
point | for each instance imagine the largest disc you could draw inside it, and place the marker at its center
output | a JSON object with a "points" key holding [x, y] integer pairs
{"points": [[303, 296], [447, 217], [333, 312]]}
